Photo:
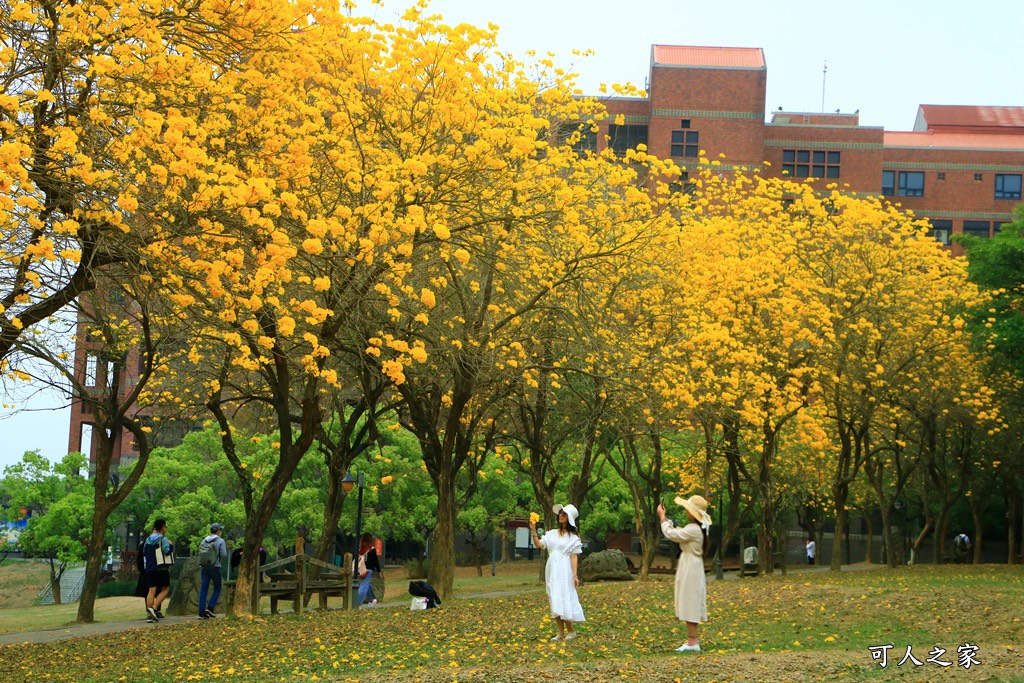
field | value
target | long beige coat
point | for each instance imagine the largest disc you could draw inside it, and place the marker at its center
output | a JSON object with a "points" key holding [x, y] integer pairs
{"points": [[691, 589]]}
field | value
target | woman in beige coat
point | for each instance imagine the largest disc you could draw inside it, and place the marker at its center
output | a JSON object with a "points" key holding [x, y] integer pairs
{"points": [[691, 589]]}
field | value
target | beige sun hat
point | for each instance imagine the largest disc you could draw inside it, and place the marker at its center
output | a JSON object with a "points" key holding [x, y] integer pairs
{"points": [[696, 506]]}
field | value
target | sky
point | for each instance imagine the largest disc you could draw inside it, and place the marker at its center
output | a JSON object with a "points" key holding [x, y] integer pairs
{"points": [[884, 58]]}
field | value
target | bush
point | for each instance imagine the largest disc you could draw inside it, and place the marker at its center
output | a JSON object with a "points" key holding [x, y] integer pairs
{"points": [[110, 589], [417, 569], [465, 560]]}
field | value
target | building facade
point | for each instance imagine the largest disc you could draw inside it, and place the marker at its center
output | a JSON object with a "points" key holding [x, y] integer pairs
{"points": [[960, 167]]}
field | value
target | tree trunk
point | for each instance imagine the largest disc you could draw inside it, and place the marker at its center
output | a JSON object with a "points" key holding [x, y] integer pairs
{"points": [[648, 549], [503, 539], [55, 587], [332, 513], [257, 521], [766, 495], [442, 547], [1012, 507], [245, 600], [940, 536], [765, 547], [839, 493], [978, 529], [868, 556], [93, 562], [928, 521], [890, 548]]}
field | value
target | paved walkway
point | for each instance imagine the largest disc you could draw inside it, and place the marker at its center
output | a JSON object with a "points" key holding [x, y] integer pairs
{"points": [[62, 633]]}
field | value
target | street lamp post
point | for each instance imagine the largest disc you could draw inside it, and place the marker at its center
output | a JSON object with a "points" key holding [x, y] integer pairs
{"points": [[721, 537], [348, 483]]}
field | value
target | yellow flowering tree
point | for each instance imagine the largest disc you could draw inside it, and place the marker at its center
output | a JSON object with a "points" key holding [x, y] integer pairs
{"points": [[111, 119]]}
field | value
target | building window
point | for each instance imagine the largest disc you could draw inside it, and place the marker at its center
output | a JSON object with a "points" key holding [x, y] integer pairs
{"points": [[685, 123], [684, 184], [1007, 186], [92, 364], [888, 183], [621, 138], [941, 175], [85, 440], [111, 374], [804, 163], [941, 230], [997, 226], [685, 143], [976, 228], [911, 184], [586, 136], [978, 177]]}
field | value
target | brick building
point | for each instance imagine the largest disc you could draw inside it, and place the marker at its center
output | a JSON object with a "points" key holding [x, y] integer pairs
{"points": [[960, 167]]}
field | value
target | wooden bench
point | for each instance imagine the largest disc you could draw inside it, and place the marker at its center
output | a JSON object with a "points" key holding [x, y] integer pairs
{"points": [[297, 586], [655, 569]]}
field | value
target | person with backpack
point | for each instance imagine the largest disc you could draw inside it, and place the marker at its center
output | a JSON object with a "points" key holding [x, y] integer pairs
{"points": [[365, 566], [212, 550], [962, 546], [691, 587], [158, 555]]}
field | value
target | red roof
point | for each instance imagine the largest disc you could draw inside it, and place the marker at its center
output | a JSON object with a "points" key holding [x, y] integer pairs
{"points": [[954, 115], [691, 55], [954, 140]]}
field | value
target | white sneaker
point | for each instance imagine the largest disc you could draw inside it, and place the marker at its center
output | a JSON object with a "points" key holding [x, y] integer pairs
{"points": [[688, 648], [556, 638], [570, 635]]}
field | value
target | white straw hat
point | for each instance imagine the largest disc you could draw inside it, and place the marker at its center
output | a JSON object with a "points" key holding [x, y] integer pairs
{"points": [[570, 511]]}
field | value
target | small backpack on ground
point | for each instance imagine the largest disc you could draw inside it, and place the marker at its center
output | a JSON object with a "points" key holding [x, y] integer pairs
{"points": [[208, 552]]}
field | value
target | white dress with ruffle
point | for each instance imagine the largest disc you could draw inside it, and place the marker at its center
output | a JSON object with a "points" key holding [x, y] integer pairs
{"points": [[559, 577]]}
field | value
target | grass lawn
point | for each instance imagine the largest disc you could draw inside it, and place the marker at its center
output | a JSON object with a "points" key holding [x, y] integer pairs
{"points": [[21, 581], [805, 627]]}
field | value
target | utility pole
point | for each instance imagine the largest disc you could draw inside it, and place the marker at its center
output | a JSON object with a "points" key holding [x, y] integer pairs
{"points": [[824, 74]]}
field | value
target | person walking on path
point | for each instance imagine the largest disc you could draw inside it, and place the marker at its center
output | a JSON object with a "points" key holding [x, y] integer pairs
{"points": [[810, 551], [691, 588], [562, 571], [212, 550], [367, 564], [141, 589], [158, 574]]}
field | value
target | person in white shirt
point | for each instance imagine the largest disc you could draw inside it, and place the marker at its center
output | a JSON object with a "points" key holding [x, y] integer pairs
{"points": [[561, 573], [810, 551]]}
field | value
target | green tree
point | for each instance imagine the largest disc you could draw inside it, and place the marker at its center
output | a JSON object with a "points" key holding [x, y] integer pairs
{"points": [[58, 499], [997, 265]]}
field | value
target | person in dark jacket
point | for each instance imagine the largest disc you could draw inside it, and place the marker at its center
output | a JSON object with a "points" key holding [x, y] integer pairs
{"points": [[141, 587], [365, 566]]}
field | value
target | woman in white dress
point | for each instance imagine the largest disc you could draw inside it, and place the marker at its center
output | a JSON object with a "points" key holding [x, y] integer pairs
{"points": [[561, 573], [691, 589]]}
